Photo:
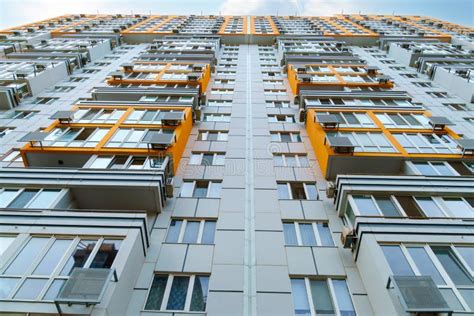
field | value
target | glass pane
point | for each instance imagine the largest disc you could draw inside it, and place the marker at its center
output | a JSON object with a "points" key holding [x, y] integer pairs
{"points": [[468, 295], [343, 298], [44, 199], [290, 234], [52, 257], [6, 286], [101, 162], [6, 197], [442, 168], [79, 257], [452, 266], [215, 189], [321, 297], [5, 242], [23, 199], [208, 232], [178, 292], [187, 189], [396, 260], [307, 235], [191, 232], [283, 191], [451, 299], [199, 296], [207, 159], [278, 160], [429, 207], [53, 290], [325, 234], [387, 207], [312, 191], [27, 255], [425, 265], [195, 159], [157, 290], [30, 289], [300, 298], [173, 231], [467, 253], [106, 254], [297, 191], [458, 207], [365, 205], [425, 169], [200, 189]]}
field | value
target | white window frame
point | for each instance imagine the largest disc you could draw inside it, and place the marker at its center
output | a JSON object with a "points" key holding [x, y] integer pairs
{"points": [[199, 158], [290, 193], [182, 230], [316, 234], [297, 159], [193, 187]]}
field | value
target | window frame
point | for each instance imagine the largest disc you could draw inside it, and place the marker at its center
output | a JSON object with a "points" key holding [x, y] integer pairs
{"points": [[182, 230]]}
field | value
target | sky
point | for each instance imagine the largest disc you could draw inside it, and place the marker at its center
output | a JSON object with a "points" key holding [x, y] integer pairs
{"points": [[16, 12]]}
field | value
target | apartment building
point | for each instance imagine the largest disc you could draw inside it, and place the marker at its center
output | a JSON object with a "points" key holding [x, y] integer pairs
{"points": [[236, 165]]}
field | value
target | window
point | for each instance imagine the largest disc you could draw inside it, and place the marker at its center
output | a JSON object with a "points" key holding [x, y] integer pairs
{"points": [[434, 168], [39, 269], [17, 114], [201, 189], [146, 116], [321, 296], [366, 141], [170, 292], [297, 191], [458, 207], [216, 118], [215, 103], [448, 265], [286, 137], [438, 94], [133, 137], [75, 137], [307, 234], [456, 106], [12, 156], [100, 116], [277, 104], [422, 84], [213, 136], [369, 205], [5, 242], [62, 88], [5, 130], [281, 118], [399, 120], [28, 198], [289, 160], [427, 143], [207, 159], [45, 100], [191, 231], [126, 162]]}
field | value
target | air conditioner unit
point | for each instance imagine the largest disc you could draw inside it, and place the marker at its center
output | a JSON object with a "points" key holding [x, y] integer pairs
{"points": [[331, 189], [348, 238], [302, 115], [169, 187]]}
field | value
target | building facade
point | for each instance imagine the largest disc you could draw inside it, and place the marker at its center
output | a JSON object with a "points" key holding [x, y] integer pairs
{"points": [[237, 165]]}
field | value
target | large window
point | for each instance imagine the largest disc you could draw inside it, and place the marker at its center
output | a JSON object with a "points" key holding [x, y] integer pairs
{"points": [[367, 141], [400, 120], [307, 234], [191, 231], [201, 189], [427, 143], [216, 118], [408, 206], [286, 137], [29, 198], [126, 162], [450, 267], [290, 160], [171, 292], [146, 116], [434, 168], [75, 137], [207, 159], [213, 135], [99, 116], [297, 191], [132, 137], [42, 265], [321, 297]]}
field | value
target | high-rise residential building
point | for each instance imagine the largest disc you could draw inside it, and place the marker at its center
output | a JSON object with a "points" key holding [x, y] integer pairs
{"points": [[237, 165]]}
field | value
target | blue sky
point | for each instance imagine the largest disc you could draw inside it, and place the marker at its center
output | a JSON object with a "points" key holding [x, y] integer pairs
{"points": [[15, 12]]}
